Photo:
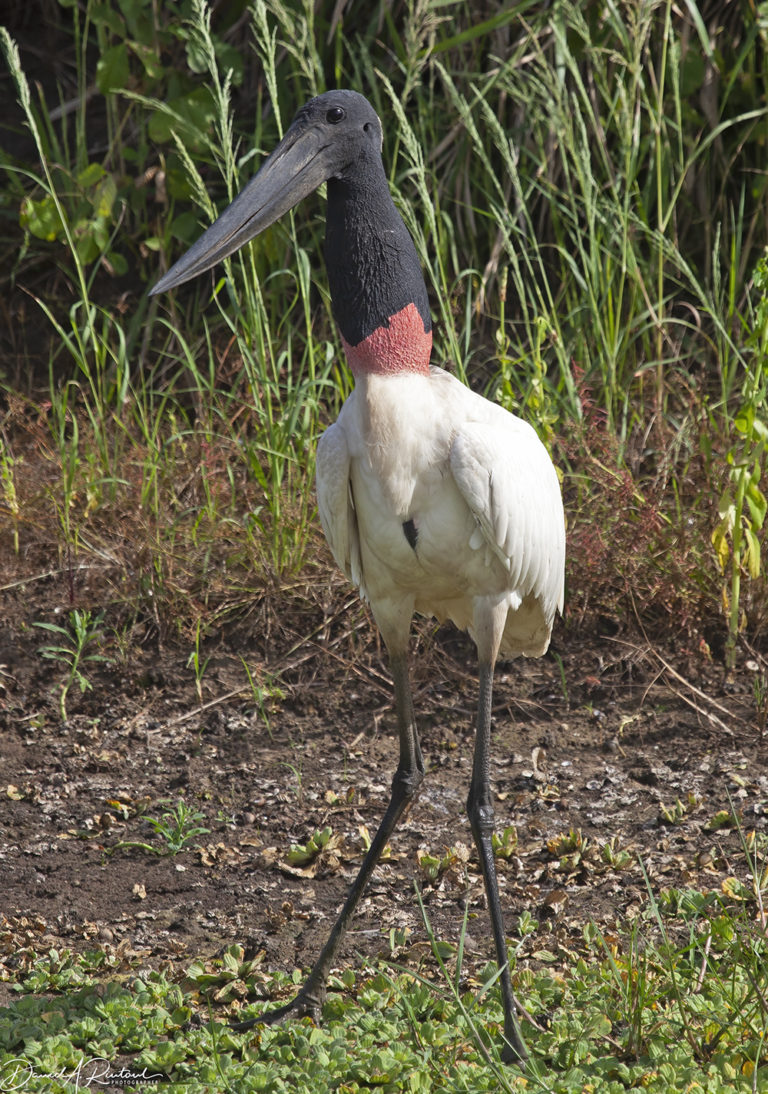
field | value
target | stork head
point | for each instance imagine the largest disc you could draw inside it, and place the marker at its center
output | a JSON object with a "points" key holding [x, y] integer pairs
{"points": [[330, 138]]}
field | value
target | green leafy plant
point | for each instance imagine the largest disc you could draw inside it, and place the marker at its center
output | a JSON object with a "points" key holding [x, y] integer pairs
{"points": [[674, 814], [433, 866], [178, 827], [616, 856], [675, 1000], [92, 219], [74, 651], [228, 978], [743, 504], [569, 846], [8, 492], [723, 818], [301, 854], [505, 843]]}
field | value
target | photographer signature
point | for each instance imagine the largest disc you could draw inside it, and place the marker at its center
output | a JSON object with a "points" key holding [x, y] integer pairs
{"points": [[16, 1074]]}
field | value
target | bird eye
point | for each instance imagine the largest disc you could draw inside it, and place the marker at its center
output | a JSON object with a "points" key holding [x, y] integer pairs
{"points": [[335, 115]]}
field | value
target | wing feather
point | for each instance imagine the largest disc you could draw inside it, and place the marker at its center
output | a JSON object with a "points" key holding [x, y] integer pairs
{"points": [[335, 502], [507, 479]]}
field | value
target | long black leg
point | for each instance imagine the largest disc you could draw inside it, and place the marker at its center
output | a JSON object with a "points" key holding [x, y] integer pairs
{"points": [[406, 782], [481, 818]]}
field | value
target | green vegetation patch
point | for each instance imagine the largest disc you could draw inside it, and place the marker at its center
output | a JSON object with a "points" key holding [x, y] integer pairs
{"points": [[676, 1002]]}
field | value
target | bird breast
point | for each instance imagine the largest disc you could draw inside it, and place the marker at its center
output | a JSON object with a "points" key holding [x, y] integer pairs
{"points": [[430, 521]]}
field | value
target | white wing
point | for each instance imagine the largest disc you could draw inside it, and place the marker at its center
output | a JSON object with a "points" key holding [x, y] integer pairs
{"points": [[335, 504], [507, 479]]}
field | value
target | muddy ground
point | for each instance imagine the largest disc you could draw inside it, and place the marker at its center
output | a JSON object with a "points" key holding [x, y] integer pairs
{"points": [[604, 744]]}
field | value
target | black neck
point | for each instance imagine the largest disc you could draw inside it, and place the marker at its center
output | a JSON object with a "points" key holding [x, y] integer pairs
{"points": [[373, 269]]}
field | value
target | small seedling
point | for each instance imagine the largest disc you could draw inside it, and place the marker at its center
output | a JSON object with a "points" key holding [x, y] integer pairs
{"points": [[614, 855], [264, 694], [82, 632], [178, 826], [505, 844], [567, 843], [198, 664], [526, 924], [434, 866], [366, 838], [398, 938], [673, 814], [296, 770], [724, 818], [574, 850], [301, 854], [227, 978]]}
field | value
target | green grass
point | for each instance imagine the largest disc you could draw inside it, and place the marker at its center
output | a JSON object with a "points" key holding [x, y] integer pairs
{"points": [[591, 241], [677, 1003]]}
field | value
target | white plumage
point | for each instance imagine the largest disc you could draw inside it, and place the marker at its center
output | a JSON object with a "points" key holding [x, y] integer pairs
{"points": [[480, 489]]}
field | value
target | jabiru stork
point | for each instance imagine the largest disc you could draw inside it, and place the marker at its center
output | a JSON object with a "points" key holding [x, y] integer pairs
{"points": [[433, 499]]}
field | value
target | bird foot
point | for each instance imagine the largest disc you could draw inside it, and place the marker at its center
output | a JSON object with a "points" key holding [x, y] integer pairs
{"points": [[513, 1050], [304, 1005], [514, 1054]]}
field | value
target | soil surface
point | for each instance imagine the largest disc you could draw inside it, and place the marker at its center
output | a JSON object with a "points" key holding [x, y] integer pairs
{"points": [[600, 736]]}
